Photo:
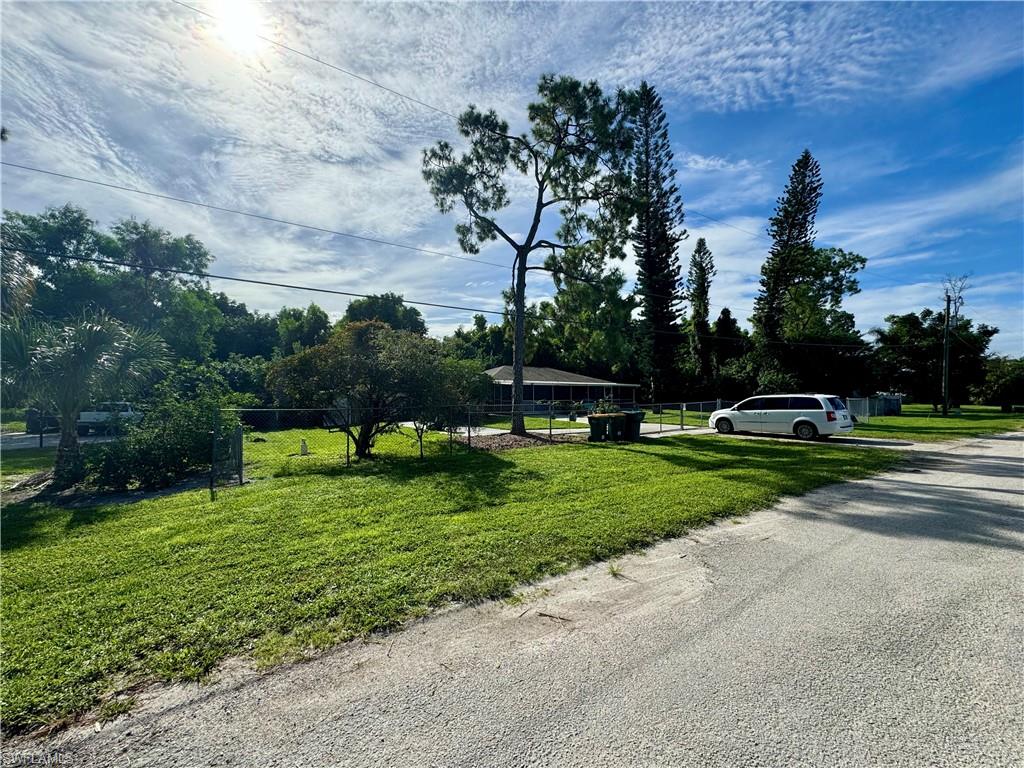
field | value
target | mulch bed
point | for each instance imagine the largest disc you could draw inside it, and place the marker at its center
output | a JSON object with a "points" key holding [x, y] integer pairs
{"points": [[507, 442]]}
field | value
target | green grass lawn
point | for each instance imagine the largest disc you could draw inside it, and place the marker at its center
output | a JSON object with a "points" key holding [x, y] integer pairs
{"points": [[12, 420], [17, 465], [533, 423], [99, 599], [670, 417], [918, 423]]}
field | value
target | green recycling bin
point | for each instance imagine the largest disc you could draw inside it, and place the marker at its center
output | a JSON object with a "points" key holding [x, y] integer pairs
{"points": [[633, 421], [598, 428]]}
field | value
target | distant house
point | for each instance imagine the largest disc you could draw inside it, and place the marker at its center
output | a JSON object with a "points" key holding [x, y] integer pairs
{"points": [[543, 385]]}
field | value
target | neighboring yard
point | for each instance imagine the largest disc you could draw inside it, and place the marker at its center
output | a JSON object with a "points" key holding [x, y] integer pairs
{"points": [[12, 420], [537, 423], [919, 424], [17, 465], [99, 599]]}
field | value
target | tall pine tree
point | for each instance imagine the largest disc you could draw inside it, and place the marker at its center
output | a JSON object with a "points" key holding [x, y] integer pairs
{"points": [[698, 291], [792, 233], [656, 236]]}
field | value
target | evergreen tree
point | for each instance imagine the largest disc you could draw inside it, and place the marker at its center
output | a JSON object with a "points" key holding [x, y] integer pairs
{"points": [[702, 269], [575, 157], [792, 233], [658, 231]]}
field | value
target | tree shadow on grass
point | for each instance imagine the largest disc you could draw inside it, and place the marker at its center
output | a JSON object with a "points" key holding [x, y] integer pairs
{"points": [[475, 478], [28, 523]]}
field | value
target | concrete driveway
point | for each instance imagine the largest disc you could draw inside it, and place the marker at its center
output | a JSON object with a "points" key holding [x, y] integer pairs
{"points": [[876, 623]]}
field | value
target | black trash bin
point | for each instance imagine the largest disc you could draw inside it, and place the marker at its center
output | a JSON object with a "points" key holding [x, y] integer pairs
{"points": [[617, 426], [633, 421], [598, 428]]}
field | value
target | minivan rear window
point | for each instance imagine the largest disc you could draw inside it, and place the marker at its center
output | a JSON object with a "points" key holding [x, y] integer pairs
{"points": [[836, 403]]}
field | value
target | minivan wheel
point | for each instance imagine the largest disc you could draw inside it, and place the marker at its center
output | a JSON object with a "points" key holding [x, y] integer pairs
{"points": [[806, 431], [724, 426]]}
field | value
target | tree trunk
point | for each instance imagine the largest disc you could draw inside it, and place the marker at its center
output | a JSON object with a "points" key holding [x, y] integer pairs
{"points": [[364, 441], [68, 468], [519, 345]]}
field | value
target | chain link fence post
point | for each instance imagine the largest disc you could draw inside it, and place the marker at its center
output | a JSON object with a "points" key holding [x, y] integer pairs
{"points": [[469, 427], [213, 456], [237, 445], [551, 419]]}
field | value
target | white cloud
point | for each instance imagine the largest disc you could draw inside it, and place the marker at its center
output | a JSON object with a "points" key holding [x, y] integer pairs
{"points": [[889, 227], [139, 94]]}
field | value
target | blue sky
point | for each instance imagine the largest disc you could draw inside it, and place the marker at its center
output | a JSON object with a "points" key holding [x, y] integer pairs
{"points": [[915, 111]]}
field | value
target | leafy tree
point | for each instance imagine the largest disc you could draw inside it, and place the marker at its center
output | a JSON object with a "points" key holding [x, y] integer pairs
{"points": [[792, 233], [300, 329], [909, 354], [484, 342], [50, 239], [151, 249], [432, 385], [17, 284], [575, 157], [588, 322], [189, 322], [655, 238], [373, 376], [702, 270], [387, 308], [241, 332], [68, 365], [1004, 383]]}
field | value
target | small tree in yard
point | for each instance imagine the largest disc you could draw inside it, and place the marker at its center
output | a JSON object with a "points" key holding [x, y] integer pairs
{"points": [[442, 391], [64, 366], [374, 376], [575, 157]]}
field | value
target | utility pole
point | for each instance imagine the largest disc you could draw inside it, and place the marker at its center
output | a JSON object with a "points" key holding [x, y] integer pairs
{"points": [[945, 358]]}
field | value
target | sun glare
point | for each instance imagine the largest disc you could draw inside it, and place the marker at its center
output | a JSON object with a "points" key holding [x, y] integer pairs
{"points": [[240, 26]]}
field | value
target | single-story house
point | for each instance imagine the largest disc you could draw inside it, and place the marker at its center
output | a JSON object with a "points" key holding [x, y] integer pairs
{"points": [[544, 385]]}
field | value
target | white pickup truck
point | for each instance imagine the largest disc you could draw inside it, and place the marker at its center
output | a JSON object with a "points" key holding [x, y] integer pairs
{"points": [[100, 418]]}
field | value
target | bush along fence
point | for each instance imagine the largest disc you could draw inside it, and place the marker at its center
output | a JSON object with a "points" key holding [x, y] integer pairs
{"points": [[255, 443]]}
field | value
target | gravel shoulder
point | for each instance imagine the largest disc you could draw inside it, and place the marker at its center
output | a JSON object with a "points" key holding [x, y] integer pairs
{"points": [[879, 622]]}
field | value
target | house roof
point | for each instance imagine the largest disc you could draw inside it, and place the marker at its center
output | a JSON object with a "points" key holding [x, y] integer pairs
{"points": [[531, 375]]}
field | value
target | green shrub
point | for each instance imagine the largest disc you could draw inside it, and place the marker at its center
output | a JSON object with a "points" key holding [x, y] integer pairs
{"points": [[174, 439]]}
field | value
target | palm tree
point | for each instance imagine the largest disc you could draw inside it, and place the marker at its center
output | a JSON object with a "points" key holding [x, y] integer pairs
{"points": [[66, 365]]}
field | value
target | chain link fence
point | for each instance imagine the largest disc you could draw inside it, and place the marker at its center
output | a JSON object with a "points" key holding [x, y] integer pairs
{"points": [[250, 444], [864, 408]]}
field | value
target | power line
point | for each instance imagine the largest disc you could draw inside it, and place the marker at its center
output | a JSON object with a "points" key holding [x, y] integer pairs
{"points": [[413, 99], [352, 294], [252, 281], [286, 222], [250, 214]]}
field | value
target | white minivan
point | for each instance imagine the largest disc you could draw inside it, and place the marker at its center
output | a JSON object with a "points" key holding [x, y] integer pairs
{"points": [[806, 416]]}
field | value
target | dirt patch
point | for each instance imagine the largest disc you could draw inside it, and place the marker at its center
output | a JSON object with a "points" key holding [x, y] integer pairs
{"points": [[531, 440]]}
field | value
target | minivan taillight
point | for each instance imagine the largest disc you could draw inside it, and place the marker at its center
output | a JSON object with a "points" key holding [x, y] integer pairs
{"points": [[830, 415]]}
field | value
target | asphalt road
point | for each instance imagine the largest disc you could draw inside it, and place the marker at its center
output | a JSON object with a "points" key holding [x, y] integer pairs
{"points": [[876, 623]]}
